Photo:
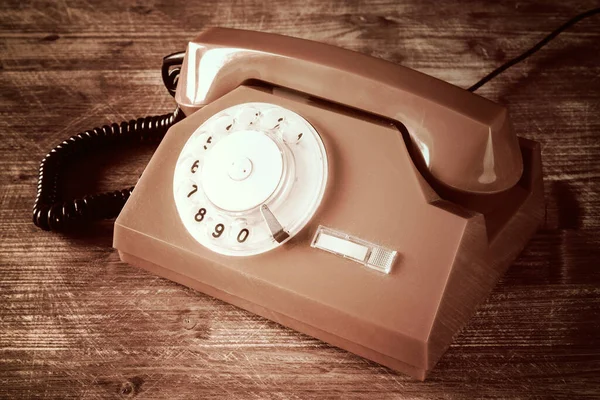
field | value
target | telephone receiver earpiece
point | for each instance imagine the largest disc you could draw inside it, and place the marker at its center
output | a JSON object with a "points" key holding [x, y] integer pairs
{"points": [[465, 141]]}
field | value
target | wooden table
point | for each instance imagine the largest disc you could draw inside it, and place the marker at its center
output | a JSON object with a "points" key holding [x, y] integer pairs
{"points": [[76, 322]]}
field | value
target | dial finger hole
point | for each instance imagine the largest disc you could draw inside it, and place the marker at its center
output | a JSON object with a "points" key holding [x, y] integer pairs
{"points": [[222, 125], [217, 227], [246, 118], [240, 231], [197, 216], [272, 119], [196, 142], [185, 164], [292, 134], [201, 144], [190, 166], [189, 191]]}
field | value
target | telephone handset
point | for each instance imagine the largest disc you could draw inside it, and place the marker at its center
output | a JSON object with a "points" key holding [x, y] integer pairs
{"points": [[466, 141], [357, 201]]}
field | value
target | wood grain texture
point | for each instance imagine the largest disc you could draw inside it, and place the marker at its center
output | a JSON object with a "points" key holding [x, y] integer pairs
{"points": [[76, 322]]}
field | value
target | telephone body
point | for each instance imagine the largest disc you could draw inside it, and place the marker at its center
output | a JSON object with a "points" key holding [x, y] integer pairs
{"points": [[349, 198]]}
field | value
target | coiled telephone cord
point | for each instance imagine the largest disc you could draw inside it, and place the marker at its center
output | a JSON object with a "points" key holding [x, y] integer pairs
{"points": [[50, 211]]}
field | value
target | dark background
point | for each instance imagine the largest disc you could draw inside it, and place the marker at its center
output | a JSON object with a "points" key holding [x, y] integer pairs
{"points": [[75, 321]]}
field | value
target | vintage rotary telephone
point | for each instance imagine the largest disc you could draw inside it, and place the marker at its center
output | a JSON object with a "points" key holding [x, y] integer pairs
{"points": [[349, 198]]}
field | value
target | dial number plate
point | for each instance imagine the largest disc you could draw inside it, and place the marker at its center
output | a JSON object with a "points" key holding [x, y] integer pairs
{"points": [[244, 157]]}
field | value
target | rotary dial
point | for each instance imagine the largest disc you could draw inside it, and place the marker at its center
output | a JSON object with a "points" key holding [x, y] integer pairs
{"points": [[250, 178]]}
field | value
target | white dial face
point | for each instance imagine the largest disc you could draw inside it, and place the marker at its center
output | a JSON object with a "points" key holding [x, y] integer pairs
{"points": [[250, 178]]}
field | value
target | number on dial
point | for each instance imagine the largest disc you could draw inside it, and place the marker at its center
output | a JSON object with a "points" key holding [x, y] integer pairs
{"points": [[194, 190], [200, 215], [243, 235], [195, 167], [219, 229]]}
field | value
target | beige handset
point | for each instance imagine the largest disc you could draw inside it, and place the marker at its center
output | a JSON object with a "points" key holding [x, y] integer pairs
{"points": [[465, 140], [346, 197]]}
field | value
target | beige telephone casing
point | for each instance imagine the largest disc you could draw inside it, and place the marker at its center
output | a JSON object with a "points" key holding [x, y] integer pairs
{"points": [[414, 165]]}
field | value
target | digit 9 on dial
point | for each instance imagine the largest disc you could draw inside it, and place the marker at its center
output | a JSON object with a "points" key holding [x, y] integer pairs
{"points": [[250, 178]]}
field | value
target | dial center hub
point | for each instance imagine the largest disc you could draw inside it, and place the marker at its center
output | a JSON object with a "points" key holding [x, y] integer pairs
{"points": [[240, 169]]}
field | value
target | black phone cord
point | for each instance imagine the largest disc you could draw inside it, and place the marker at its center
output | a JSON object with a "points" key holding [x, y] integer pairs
{"points": [[534, 49], [50, 211]]}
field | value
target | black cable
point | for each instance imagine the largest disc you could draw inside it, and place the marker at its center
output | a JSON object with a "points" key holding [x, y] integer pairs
{"points": [[171, 68], [50, 211], [534, 49]]}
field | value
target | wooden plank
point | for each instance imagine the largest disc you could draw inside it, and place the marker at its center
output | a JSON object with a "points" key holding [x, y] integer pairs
{"points": [[76, 322]]}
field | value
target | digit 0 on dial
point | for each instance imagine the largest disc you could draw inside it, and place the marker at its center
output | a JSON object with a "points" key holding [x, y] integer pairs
{"points": [[245, 157]]}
